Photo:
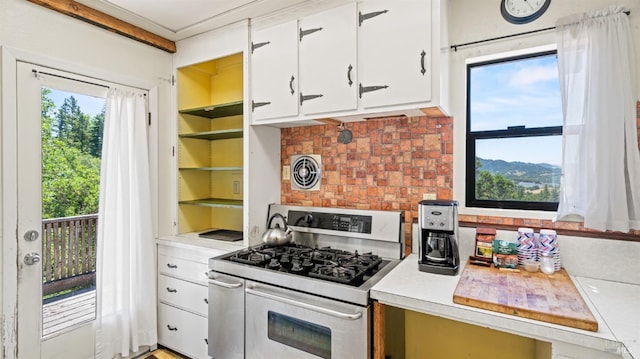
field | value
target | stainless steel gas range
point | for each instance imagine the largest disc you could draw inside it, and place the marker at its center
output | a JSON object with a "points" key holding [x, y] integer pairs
{"points": [[309, 298]]}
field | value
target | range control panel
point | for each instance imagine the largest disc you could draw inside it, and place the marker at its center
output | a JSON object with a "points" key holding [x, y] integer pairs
{"points": [[331, 221]]}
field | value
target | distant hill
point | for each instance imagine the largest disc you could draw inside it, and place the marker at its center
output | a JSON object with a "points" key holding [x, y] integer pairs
{"points": [[539, 173]]}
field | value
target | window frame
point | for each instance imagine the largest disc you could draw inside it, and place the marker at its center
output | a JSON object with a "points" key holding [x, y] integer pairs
{"points": [[509, 132]]}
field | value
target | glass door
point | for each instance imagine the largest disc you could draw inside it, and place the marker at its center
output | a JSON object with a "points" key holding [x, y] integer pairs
{"points": [[59, 141]]}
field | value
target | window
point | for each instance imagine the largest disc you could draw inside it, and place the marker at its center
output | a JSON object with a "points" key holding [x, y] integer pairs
{"points": [[514, 133]]}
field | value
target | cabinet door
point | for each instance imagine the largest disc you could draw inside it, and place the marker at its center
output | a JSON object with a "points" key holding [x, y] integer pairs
{"points": [[183, 294], [274, 72], [182, 331], [394, 44], [327, 52]]}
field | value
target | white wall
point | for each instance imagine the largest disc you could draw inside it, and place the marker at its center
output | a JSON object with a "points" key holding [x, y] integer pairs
{"points": [[42, 36], [472, 20]]}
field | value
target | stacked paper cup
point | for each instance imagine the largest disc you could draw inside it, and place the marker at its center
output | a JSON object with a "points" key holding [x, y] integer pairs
{"points": [[526, 245], [548, 243]]}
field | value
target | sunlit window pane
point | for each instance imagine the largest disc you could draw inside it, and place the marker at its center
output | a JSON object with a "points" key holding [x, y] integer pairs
{"points": [[524, 92], [502, 175], [514, 132]]}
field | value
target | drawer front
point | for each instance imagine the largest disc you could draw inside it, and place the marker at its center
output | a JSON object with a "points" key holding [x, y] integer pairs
{"points": [[182, 331], [183, 294], [181, 268]]}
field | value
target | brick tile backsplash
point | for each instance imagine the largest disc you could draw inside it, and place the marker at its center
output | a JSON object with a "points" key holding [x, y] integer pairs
{"points": [[389, 165]]}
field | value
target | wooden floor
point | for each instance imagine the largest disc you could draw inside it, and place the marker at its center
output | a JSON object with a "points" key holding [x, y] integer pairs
{"points": [[163, 354], [67, 312]]}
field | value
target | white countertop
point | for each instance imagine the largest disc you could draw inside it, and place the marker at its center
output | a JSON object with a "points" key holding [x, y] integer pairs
{"points": [[616, 307], [193, 241]]}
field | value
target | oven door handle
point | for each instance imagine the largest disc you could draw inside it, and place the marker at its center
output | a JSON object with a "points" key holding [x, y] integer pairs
{"points": [[334, 313], [223, 284]]}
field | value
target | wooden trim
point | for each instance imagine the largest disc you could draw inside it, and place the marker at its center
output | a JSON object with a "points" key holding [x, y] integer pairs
{"points": [[330, 121], [378, 330], [108, 22], [433, 112], [82, 280], [569, 232], [577, 233]]}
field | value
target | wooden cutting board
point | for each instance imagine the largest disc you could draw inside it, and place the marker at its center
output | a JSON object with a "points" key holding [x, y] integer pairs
{"points": [[552, 299]]}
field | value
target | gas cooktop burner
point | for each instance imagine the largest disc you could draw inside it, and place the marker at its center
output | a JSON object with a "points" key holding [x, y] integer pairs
{"points": [[324, 263]]}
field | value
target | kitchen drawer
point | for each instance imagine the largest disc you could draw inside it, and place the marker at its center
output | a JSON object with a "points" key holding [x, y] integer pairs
{"points": [[183, 294], [181, 268], [182, 331]]}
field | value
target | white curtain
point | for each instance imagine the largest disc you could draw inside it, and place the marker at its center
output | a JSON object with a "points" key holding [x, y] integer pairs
{"points": [[126, 310], [601, 160]]}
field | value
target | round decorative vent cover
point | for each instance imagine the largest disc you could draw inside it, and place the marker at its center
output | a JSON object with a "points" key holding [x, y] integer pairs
{"points": [[305, 172]]}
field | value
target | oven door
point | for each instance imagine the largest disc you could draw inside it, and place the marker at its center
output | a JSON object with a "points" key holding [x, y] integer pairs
{"points": [[281, 323], [226, 316]]}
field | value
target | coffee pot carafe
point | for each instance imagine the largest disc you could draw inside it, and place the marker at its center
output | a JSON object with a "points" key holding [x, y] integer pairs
{"points": [[438, 226]]}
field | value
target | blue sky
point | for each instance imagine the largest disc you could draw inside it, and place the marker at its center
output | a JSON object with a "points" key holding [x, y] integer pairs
{"points": [[524, 92], [88, 104]]}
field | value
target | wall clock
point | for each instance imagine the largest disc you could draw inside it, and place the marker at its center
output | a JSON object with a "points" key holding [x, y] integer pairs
{"points": [[523, 11]]}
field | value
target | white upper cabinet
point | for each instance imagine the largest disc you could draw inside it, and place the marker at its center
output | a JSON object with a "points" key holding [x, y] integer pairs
{"points": [[274, 72], [328, 59], [362, 59], [395, 53]]}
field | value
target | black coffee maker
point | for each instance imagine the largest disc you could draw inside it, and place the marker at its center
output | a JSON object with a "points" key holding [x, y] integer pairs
{"points": [[438, 226]]}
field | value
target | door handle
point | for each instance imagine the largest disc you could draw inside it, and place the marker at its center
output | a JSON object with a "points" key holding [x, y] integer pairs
{"points": [[422, 55], [315, 308], [31, 258], [225, 285], [349, 75], [172, 290], [291, 84]]}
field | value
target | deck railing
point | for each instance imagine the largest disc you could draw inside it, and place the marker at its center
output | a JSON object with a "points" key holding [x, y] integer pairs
{"points": [[69, 253]]}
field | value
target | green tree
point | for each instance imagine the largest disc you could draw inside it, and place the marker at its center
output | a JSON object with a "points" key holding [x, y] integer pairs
{"points": [[70, 170], [496, 187], [70, 180], [95, 134], [73, 127]]}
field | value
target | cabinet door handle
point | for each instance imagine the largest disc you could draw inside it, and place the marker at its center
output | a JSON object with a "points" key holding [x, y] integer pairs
{"points": [[308, 32], [362, 17], [258, 45], [291, 84], [255, 105], [225, 285], [172, 290], [206, 300], [304, 98], [364, 89], [172, 266], [422, 55], [206, 340], [349, 74], [173, 329]]}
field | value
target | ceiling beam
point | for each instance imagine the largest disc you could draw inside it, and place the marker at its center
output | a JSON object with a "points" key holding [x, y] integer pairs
{"points": [[108, 22]]}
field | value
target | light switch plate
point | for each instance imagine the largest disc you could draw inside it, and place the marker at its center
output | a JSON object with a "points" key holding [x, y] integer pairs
{"points": [[429, 196], [286, 173]]}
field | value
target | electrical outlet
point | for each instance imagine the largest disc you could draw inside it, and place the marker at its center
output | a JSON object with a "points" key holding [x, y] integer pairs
{"points": [[236, 187], [429, 196], [286, 173]]}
